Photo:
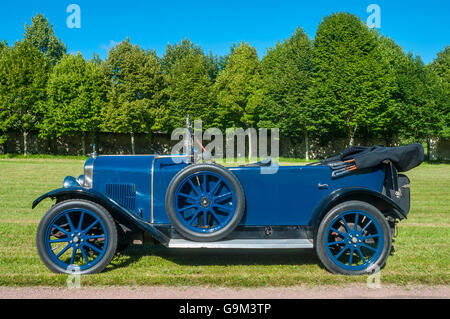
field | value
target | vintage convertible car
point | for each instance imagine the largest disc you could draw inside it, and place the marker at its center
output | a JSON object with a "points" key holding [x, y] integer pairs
{"points": [[345, 207]]}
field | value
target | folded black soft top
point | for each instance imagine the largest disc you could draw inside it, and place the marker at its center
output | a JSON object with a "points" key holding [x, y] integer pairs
{"points": [[403, 158]]}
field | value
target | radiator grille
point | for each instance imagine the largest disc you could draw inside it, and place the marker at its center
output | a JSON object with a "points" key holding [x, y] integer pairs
{"points": [[124, 194]]}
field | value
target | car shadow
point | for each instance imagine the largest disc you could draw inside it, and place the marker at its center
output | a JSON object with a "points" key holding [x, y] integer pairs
{"points": [[215, 257]]}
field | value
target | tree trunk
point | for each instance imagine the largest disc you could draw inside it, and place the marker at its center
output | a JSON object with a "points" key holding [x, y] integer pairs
{"points": [[132, 143], [306, 146], [83, 143], [428, 148], [25, 146]]}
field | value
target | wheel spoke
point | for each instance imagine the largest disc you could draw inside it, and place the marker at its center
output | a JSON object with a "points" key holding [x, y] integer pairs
{"points": [[356, 221], [93, 247], [84, 255], [365, 226], [80, 224], [193, 217], [341, 252], [188, 196], [214, 215], [95, 236], [336, 242], [59, 240], [337, 231], [361, 255], [195, 188], [370, 236], [63, 251], [345, 224], [186, 208], [74, 252], [90, 226], [61, 229], [225, 208], [204, 184], [222, 197], [350, 259], [70, 222], [215, 188], [205, 218], [368, 247]]}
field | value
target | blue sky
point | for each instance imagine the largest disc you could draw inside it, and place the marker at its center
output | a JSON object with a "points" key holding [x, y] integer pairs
{"points": [[417, 26]]}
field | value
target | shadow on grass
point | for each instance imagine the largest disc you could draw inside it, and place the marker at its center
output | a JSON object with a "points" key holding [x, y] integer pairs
{"points": [[217, 257]]}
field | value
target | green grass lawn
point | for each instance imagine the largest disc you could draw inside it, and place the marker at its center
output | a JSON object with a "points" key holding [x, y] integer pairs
{"points": [[421, 255]]}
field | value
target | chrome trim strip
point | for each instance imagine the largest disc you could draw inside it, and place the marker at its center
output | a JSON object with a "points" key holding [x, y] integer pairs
{"points": [[89, 172], [151, 180], [244, 243]]}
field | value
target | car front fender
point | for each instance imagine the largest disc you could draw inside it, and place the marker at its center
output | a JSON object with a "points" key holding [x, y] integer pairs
{"points": [[117, 211], [385, 204]]}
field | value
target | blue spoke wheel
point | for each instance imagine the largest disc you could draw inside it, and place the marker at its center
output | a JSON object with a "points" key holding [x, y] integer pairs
{"points": [[77, 236], [205, 202], [353, 238]]}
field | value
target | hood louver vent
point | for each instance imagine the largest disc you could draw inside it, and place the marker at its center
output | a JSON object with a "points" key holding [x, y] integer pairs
{"points": [[124, 194]]}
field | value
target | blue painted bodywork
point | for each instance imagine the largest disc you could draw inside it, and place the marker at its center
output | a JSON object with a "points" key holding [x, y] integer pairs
{"points": [[135, 188], [288, 197]]}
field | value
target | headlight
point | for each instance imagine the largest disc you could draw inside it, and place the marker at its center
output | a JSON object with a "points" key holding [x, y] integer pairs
{"points": [[70, 181]]}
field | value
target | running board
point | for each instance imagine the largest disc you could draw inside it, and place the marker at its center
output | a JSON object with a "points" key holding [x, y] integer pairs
{"points": [[243, 243]]}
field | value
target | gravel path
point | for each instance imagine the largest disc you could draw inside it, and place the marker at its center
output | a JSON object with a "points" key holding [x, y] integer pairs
{"points": [[157, 292]]}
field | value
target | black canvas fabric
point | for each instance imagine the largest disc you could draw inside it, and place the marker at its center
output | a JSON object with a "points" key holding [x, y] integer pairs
{"points": [[404, 158]]}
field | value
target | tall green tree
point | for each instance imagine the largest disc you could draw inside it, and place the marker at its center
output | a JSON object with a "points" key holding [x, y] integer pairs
{"points": [[40, 34], [439, 71], [23, 75], [177, 52], [239, 88], [287, 78], [135, 87], [351, 90], [188, 91], [75, 97]]}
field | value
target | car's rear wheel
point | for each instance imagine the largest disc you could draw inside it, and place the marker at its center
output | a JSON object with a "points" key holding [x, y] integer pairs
{"points": [[205, 202], [76, 236], [353, 238]]}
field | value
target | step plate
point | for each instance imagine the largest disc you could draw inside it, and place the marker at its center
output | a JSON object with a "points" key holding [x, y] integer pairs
{"points": [[244, 244]]}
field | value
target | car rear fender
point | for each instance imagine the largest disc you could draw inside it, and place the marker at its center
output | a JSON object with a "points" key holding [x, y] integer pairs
{"points": [[119, 213], [385, 204]]}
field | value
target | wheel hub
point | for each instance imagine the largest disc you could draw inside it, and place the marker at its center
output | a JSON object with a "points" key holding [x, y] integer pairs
{"points": [[205, 202]]}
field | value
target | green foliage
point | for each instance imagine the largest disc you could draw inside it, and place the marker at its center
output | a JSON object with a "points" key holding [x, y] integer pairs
{"points": [[175, 53], [349, 81], [134, 90], [351, 92], [188, 91], [239, 88], [75, 96], [23, 77], [440, 77], [287, 79], [40, 34]]}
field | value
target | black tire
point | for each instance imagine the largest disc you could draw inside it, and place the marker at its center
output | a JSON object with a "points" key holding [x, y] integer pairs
{"points": [[379, 259], [239, 202], [100, 213]]}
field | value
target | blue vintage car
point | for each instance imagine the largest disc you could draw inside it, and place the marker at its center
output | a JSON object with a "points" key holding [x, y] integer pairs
{"points": [[346, 207]]}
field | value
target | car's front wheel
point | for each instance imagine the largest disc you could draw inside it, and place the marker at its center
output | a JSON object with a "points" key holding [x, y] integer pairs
{"points": [[353, 238], [76, 236]]}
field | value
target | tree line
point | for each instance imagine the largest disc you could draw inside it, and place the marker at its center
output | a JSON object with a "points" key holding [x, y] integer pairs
{"points": [[349, 81]]}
